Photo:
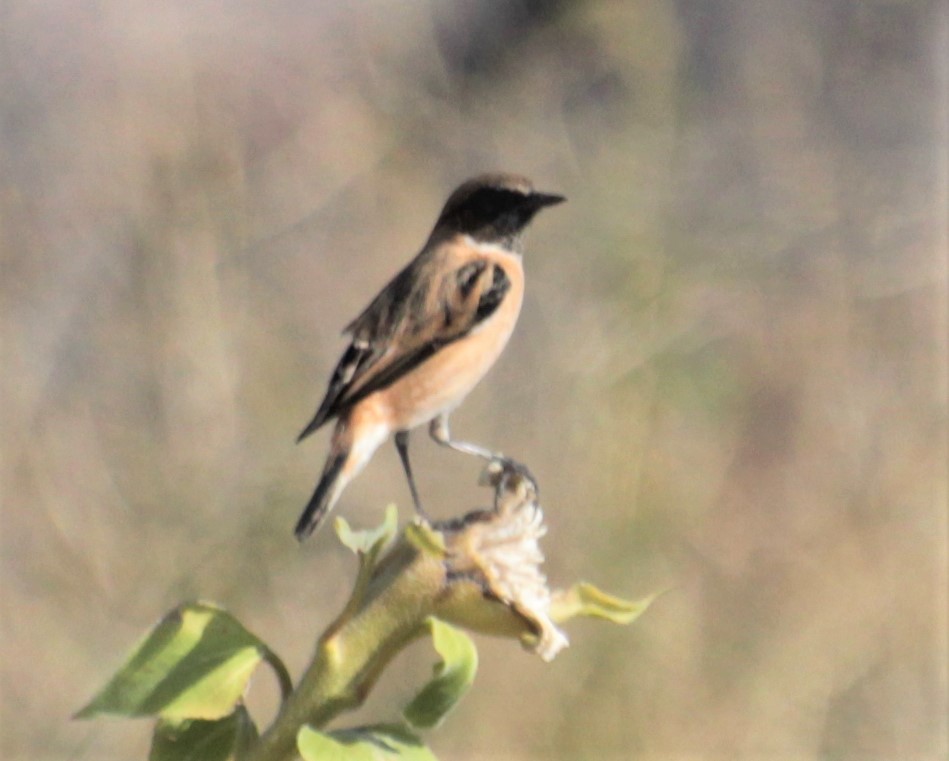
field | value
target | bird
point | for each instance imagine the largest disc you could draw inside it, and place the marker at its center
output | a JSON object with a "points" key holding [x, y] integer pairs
{"points": [[428, 337]]}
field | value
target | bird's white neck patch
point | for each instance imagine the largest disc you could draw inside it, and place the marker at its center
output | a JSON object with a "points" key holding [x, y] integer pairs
{"points": [[493, 248]]}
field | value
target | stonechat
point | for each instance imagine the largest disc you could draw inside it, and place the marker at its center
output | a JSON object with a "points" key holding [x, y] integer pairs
{"points": [[429, 336]]}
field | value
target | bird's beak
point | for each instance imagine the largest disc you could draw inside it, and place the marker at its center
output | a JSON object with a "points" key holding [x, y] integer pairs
{"points": [[541, 200]]}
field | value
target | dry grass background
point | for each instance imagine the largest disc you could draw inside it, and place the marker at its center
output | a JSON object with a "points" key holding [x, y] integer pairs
{"points": [[729, 376]]}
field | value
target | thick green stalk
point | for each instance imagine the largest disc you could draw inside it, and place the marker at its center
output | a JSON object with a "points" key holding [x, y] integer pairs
{"points": [[384, 616]]}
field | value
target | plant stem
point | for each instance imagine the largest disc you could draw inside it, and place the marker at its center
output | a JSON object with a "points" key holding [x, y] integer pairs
{"points": [[388, 614]]}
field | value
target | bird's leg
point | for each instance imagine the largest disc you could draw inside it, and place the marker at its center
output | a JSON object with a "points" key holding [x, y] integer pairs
{"points": [[402, 444], [442, 435]]}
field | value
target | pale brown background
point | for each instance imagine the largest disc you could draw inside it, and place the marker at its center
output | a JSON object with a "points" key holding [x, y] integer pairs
{"points": [[729, 375]]}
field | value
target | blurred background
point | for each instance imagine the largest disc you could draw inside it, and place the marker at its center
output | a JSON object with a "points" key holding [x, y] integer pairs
{"points": [[729, 375]]}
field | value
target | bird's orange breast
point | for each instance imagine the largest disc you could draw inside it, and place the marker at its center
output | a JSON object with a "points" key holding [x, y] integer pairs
{"points": [[441, 382]]}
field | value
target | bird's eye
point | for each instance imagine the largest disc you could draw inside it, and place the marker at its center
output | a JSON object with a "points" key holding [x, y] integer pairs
{"points": [[491, 203]]}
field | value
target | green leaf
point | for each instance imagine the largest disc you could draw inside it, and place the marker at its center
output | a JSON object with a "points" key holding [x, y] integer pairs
{"points": [[200, 740], [426, 539], [453, 676], [367, 545], [371, 541], [377, 743], [586, 600], [194, 665]]}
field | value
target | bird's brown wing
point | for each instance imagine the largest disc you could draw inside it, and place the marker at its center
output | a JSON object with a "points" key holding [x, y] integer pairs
{"points": [[419, 312]]}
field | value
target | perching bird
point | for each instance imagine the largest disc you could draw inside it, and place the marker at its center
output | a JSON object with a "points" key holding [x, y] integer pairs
{"points": [[429, 336]]}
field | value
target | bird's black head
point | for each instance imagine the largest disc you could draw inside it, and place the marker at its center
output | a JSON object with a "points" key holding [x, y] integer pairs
{"points": [[493, 208]]}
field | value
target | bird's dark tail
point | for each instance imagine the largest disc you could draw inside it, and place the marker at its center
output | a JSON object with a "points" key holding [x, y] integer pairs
{"points": [[325, 496]]}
